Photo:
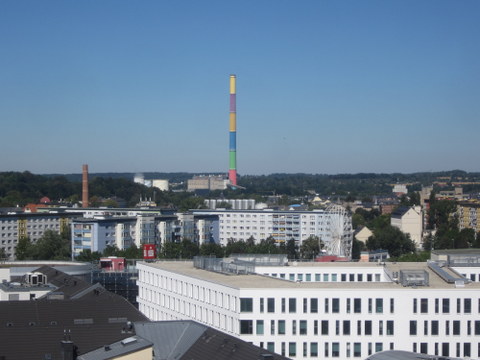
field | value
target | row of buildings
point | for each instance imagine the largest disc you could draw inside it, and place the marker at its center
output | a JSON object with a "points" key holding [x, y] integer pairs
{"points": [[95, 229]]}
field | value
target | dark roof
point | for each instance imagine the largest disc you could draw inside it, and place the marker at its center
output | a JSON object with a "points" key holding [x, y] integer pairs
{"points": [[33, 329], [186, 340], [400, 211], [66, 284]]}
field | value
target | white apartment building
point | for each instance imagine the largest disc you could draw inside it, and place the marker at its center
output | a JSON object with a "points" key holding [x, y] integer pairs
{"points": [[333, 227], [322, 310]]}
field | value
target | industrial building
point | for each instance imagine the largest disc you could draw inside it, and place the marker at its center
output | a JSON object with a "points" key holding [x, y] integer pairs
{"points": [[323, 310]]}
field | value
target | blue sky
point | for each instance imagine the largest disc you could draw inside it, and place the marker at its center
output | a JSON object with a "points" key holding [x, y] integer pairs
{"points": [[322, 86]]}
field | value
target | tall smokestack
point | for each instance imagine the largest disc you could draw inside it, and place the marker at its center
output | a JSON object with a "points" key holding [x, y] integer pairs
{"points": [[232, 172], [85, 186]]}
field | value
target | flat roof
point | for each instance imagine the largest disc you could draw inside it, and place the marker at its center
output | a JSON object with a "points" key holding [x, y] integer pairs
{"points": [[256, 281]]}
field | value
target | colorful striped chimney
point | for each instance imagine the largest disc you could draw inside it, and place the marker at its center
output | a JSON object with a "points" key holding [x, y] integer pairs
{"points": [[232, 172]]}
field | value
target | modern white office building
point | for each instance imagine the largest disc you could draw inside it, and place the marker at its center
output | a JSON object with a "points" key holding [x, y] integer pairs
{"points": [[322, 310], [333, 226]]}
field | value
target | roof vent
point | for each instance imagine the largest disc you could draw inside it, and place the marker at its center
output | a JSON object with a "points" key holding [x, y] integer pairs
{"points": [[128, 341], [107, 348]]}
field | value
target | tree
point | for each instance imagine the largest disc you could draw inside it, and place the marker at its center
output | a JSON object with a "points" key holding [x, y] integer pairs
{"points": [[207, 249], [391, 239], [3, 255], [133, 252], [357, 247], [292, 249], [23, 249], [87, 255], [51, 246], [310, 247]]}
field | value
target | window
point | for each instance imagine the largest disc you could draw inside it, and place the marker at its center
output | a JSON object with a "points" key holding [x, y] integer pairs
{"points": [[477, 327], [348, 305], [283, 305], [343, 277], [308, 277], [446, 306], [456, 327], [425, 327], [292, 305], [357, 349], [314, 305], [359, 327], [292, 349], [305, 305], [379, 306], [326, 349], [346, 327], [424, 306], [466, 350], [357, 306], [294, 327], [390, 327], [369, 306], [335, 305], [315, 327], [414, 306], [445, 349], [271, 305], [259, 327], [326, 305], [434, 327], [313, 349], [360, 277], [272, 327], [337, 327], [368, 327], [437, 306], [351, 277], [335, 349], [262, 305], [281, 327], [303, 327], [271, 346], [380, 327], [424, 348], [413, 327], [467, 306], [246, 304], [325, 277], [324, 327], [392, 305], [447, 327], [378, 347], [334, 277], [317, 277], [246, 327], [459, 306]]}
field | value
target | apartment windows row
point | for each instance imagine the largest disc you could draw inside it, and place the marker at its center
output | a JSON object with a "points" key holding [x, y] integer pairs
{"points": [[444, 305], [327, 349], [329, 277], [446, 349], [312, 305], [447, 327], [316, 327]]}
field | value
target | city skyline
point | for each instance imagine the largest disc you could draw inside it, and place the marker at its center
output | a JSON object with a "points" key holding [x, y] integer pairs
{"points": [[323, 87]]}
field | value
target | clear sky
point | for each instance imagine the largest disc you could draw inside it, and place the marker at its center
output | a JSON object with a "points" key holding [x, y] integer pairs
{"points": [[322, 86]]}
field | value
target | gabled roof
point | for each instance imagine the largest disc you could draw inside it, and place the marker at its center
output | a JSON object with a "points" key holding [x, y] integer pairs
{"points": [[186, 340], [400, 211]]}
